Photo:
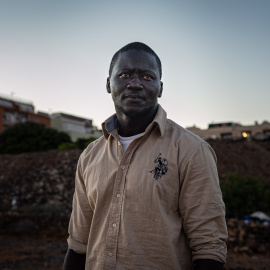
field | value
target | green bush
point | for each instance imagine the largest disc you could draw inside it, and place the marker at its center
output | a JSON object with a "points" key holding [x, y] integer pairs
{"points": [[67, 146], [30, 137], [242, 196], [79, 144], [83, 143]]}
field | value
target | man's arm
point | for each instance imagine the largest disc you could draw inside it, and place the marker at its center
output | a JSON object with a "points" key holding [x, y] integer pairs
{"points": [[79, 224], [74, 260], [202, 208]]}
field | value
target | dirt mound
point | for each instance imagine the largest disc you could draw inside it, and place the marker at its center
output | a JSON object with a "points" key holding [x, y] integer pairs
{"points": [[47, 178], [40, 186], [246, 158], [34, 179]]}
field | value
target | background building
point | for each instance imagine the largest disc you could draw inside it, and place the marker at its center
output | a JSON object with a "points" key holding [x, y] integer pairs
{"points": [[76, 127], [233, 131], [14, 110]]}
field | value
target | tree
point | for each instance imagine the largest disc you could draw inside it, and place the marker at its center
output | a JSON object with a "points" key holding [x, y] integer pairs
{"points": [[242, 196], [30, 137]]}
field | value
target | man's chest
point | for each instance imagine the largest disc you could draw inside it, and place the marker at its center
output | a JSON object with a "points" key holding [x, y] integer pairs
{"points": [[145, 179]]}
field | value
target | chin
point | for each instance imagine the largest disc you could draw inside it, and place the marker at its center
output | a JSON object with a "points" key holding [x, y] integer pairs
{"points": [[136, 113]]}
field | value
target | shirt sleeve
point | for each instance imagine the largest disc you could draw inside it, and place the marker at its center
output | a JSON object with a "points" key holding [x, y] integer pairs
{"points": [[201, 206], [81, 216]]}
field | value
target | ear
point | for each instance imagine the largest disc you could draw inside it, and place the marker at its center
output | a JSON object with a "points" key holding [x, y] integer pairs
{"points": [[108, 85], [161, 89]]}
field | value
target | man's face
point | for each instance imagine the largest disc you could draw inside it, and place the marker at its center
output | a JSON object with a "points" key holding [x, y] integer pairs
{"points": [[135, 83]]}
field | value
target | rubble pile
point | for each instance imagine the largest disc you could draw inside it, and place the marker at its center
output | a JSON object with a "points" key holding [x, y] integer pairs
{"points": [[43, 225], [44, 181], [248, 238], [38, 182], [246, 158]]}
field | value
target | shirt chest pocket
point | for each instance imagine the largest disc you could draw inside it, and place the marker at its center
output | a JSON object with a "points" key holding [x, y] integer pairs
{"points": [[152, 187]]}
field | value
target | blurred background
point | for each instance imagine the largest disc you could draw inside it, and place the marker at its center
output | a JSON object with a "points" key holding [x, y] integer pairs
{"points": [[54, 61]]}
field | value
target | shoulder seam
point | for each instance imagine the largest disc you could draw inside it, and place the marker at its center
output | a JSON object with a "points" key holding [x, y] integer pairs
{"points": [[182, 129]]}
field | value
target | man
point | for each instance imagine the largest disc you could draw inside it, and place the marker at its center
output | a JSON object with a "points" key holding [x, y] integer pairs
{"points": [[147, 193]]}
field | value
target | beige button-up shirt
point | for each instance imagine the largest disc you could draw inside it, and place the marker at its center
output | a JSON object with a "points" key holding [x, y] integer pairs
{"points": [[158, 205]]}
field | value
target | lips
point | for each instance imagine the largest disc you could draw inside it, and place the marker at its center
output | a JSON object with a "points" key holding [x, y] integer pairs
{"points": [[133, 96]]}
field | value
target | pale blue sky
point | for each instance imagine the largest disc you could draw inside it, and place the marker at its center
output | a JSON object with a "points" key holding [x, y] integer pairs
{"points": [[215, 55]]}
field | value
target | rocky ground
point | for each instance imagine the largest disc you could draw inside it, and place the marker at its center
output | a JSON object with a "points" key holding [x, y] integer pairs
{"points": [[37, 188], [32, 253]]}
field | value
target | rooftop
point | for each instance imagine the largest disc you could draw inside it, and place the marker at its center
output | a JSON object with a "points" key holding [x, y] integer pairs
{"points": [[73, 117]]}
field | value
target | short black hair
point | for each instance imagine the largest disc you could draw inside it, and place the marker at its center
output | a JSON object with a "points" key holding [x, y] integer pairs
{"points": [[135, 46]]}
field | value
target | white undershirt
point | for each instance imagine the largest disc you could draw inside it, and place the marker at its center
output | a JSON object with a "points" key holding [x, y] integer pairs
{"points": [[126, 141]]}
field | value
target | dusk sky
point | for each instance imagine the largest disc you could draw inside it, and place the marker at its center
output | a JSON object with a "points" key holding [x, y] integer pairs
{"points": [[215, 55]]}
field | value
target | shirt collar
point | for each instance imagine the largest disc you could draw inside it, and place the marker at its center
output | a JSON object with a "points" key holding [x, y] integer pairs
{"points": [[160, 120]]}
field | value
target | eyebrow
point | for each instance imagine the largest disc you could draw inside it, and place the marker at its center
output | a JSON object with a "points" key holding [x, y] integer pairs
{"points": [[142, 71]]}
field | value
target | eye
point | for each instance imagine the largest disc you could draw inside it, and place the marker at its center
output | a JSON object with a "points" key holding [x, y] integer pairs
{"points": [[124, 75], [147, 77]]}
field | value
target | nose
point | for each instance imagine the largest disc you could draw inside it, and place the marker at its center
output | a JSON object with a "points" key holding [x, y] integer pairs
{"points": [[135, 83]]}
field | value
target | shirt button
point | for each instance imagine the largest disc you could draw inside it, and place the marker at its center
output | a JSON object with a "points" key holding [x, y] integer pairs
{"points": [[114, 225], [110, 254], [119, 143], [118, 195], [123, 167]]}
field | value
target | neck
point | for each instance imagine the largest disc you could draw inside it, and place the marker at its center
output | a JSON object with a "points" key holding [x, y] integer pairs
{"points": [[133, 125]]}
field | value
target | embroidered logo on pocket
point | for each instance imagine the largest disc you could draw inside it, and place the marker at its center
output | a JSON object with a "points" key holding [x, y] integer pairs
{"points": [[161, 168]]}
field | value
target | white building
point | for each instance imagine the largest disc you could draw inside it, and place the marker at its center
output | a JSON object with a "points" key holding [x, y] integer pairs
{"points": [[77, 127]]}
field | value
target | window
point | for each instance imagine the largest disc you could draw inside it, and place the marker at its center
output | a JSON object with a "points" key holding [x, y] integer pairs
{"points": [[226, 136]]}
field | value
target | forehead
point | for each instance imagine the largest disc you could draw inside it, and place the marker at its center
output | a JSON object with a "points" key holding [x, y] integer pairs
{"points": [[135, 59]]}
